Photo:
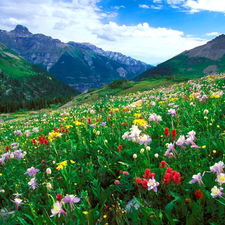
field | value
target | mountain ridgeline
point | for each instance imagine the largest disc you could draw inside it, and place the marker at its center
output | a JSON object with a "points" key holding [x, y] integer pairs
{"points": [[197, 62], [81, 65], [27, 86]]}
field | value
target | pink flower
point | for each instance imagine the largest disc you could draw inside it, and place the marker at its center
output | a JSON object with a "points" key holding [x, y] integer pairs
{"points": [[116, 182]]}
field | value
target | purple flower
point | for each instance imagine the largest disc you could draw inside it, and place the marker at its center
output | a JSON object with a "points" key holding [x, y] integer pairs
{"points": [[18, 132], [33, 183], [152, 184], [145, 139], [217, 168], [36, 129], [71, 199], [103, 124], [18, 154], [27, 123], [168, 153], [18, 202], [57, 209], [172, 112], [92, 125], [32, 171], [197, 178], [181, 141]]}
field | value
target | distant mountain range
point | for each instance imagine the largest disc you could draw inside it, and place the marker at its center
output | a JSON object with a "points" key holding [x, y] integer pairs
{"points": [[199, 61], [24, 85], [81, 65]]}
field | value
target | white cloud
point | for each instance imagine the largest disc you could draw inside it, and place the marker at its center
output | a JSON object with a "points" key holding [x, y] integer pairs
{"points": [[156, 7], [157, 1], [212, 34], [143, 6], [194, 6], [208, 5], [81, 21], [118, 7]]}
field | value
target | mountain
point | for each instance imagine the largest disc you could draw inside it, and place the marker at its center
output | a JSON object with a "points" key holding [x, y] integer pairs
{"points": [[81, 65], [199, 61], [24, 85]]}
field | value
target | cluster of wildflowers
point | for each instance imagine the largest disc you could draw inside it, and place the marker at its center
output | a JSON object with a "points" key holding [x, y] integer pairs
{"points": [[43, 140], [134, 135], [32, 172], [11, 155], [155, 118], [171, 176], [57, 207], [190, 138], [148, 176]]}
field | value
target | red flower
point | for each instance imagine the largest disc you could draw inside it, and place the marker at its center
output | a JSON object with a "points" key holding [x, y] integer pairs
{"points": [[125, 173], [141, 117], [7, 148], [138, 181], [198, 194], [120, 148], [148, 174], [163, 164], [173, 135], [54, 128], [166, 132], [34, 141], [66, 131], [89, 120], [108, 119], [144, 183], [59, 197], [126, 124]]}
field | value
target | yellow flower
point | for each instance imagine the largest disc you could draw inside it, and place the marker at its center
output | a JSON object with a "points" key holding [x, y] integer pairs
{"points": [[105, 216], [140, 122], [75, 184], [214, 151], [61, 165], [137, 115], [218, 126], [85, 212], [204, 146], [72, 161], [215, 96], [0, 174], [77, 123]]}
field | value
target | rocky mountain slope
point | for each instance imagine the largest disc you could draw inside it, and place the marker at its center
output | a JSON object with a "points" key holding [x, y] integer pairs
{"points": [[81, 65], [199, 61], [24, 85]]}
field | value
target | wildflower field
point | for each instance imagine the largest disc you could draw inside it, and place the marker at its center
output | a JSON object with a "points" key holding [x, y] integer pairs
{"points": [[155, 157]]}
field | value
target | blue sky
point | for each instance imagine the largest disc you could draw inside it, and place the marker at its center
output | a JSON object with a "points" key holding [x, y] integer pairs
{"points": [[149, 30]]}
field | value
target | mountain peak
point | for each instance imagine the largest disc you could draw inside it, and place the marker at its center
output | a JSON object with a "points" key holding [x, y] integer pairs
{"points": [[21, 30]]}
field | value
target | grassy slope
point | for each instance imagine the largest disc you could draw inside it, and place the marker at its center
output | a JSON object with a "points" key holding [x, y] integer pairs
{"points": [[106, 91], [185, 66], [13, 64]]}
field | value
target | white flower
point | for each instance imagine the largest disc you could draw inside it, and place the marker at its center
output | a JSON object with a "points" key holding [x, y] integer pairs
{"points": [[48, 171], [142, 151], [148, 148], [49, 186], [106, 141], [206, 111], [134, 156], [11, 155], [221, 178], [98, 132], [156, 155]]}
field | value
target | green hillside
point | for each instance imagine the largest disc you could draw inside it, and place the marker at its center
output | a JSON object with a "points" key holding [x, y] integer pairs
{"points": [[24, 85]]}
